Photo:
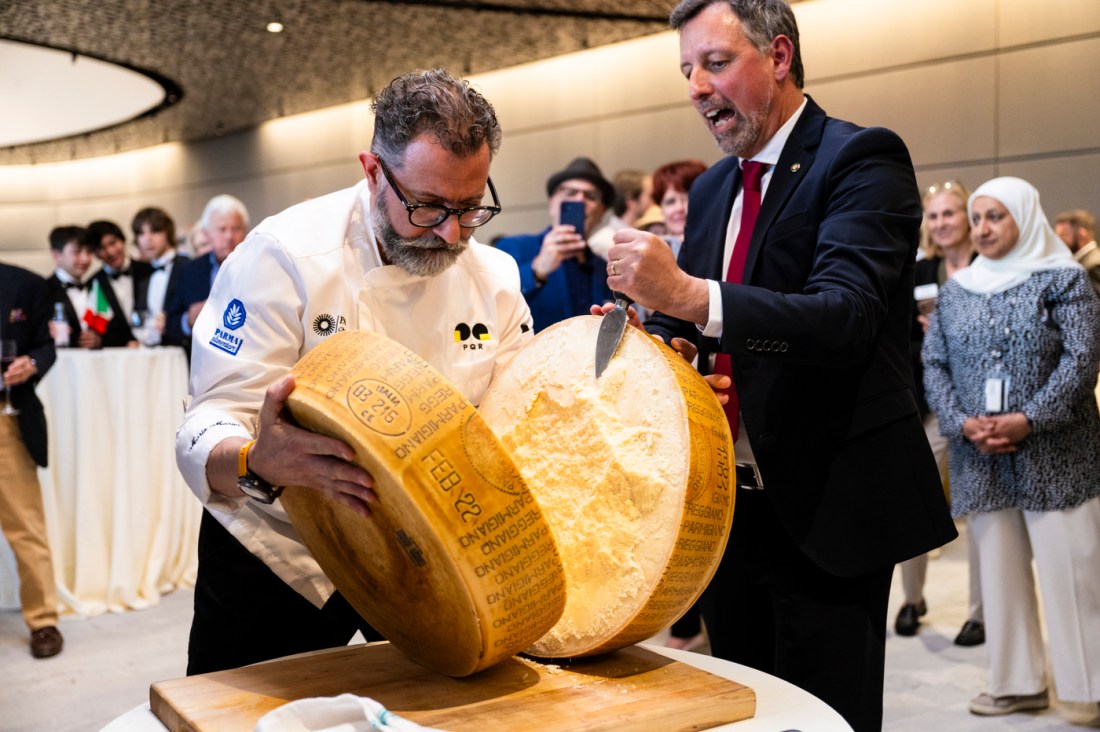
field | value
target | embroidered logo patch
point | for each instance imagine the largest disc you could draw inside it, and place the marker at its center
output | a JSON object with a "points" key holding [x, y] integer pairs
{"points": [[226, 341], [325, 325], [234, 315]]}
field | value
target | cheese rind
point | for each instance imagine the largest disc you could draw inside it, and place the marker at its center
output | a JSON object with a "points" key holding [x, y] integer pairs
{"points": [[456, 565], [633, 472]]}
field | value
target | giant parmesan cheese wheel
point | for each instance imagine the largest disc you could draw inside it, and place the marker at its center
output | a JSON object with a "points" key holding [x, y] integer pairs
{"points": [[632, 470], [456, 565]]}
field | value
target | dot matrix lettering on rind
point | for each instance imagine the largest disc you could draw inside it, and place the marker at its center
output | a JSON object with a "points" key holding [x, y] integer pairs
{"points": [[474, 550]]}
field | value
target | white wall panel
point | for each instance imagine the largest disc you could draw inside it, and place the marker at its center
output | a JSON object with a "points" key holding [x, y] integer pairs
{"points": [[841, 37], [1024, 21], [1063, 183], [943, 111], [1050, 98]]}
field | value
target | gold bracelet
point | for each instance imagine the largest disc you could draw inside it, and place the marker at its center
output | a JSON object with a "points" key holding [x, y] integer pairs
{"points": [[242, 458]]}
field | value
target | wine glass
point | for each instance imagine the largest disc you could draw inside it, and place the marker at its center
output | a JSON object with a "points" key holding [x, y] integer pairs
{"points": [[7, 356]]}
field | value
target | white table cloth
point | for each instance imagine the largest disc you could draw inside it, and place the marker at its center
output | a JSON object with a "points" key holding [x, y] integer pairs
{"points": [[123, 525]]}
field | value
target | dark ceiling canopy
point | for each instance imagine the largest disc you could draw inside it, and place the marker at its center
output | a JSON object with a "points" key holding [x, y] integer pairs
{"points": [[234, 74]]}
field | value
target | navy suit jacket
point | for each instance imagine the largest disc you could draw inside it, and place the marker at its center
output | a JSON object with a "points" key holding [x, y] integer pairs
{"points": [[192, 285], [818, 336], [551, 303], [26, 308], [118, 333]]}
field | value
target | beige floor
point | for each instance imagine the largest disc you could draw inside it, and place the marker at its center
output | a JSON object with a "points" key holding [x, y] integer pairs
{"points": [[109, 662]]}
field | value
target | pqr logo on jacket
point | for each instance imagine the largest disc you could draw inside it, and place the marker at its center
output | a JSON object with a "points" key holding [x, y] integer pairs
{"points": [[233, 318], [472, 336]]}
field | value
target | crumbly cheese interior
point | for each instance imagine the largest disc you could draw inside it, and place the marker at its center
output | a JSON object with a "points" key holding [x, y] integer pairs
{"points": [[607, 461]]}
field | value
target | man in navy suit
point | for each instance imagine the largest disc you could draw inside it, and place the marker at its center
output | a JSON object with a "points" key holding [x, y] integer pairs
{"points": [[225, 221], [25, 311], [836, 482]]}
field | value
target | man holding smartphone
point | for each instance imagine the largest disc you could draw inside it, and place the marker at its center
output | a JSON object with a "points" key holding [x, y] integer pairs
{"points": [[559, 274]]}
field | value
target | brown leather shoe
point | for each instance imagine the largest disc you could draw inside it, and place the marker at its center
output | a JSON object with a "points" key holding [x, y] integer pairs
{"points": [[46, 642]]}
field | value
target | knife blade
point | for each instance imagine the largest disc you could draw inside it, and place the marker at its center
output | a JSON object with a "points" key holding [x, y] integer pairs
{"points": [[611, 332]]}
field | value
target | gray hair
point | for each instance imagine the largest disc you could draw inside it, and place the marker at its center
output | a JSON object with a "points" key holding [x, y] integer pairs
{"points": [[223, 204], [762, 20], [437, 103]]}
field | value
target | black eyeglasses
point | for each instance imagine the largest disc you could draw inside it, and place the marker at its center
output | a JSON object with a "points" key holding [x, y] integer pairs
{"points": [[428, 215]]}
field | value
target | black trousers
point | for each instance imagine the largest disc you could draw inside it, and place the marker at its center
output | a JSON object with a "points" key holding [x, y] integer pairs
{"points": [[245, 614], [771, 608]]}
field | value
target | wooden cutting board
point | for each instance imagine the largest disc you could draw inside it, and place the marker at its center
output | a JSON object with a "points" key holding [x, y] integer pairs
{"points": [[630, 689]]}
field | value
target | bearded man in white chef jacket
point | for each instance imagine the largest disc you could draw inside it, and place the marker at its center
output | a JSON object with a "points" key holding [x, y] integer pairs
{"points": [[394, 255]]}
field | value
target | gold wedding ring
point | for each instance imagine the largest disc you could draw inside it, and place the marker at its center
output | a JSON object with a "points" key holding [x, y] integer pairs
{"points": [[614, 271]]}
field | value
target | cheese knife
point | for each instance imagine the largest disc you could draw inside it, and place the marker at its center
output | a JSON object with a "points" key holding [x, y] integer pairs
{"points": [[611, 332]]}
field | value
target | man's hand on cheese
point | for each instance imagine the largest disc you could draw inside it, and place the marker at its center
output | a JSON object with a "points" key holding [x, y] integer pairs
{"points": [[285, 454], [718, 382], [632, 318]]}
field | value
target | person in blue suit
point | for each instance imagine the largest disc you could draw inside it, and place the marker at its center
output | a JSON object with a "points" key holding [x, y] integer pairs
{"points": [[225, 220], [835, 479], [560, 275]]}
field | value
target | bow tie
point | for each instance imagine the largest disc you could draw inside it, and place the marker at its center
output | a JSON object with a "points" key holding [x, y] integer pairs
{"points": [[119, 273], [159, 267], [78, 286]]}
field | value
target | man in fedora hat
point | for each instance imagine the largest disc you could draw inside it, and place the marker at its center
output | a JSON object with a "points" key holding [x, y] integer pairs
{"points": [[560, 275]]}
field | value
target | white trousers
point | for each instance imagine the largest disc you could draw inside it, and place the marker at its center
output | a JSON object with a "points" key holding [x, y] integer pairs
{"points": [[1065, 546]]}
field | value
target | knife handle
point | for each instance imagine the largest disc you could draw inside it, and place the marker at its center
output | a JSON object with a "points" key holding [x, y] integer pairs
{"points": [[621, 299]]}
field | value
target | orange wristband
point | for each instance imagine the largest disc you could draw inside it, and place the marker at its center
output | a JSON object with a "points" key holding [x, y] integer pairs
{"points": [[242, 458]]}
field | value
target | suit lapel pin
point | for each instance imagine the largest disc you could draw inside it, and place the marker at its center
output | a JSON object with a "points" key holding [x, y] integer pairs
{"points": [[795, 167]]}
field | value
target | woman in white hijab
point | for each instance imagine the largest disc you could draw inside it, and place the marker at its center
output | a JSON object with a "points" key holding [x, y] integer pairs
{"points": [[1010, 359]]}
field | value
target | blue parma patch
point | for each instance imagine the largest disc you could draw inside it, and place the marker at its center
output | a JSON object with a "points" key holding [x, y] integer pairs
{"points": [[234, 315], [226, 341]]}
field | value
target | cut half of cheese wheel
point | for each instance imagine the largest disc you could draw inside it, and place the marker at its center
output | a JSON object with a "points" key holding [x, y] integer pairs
{"points": [[456, 565], [632, 470]]}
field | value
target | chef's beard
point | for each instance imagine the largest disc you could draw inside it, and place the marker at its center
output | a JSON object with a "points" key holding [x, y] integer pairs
{"points": [[424, 256]]}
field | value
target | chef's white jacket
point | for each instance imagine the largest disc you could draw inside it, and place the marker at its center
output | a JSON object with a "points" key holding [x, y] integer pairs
{"points": [[300, 276]]}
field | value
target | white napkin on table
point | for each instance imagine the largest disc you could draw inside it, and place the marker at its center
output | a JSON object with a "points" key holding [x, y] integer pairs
{"points": [[344, 713]]}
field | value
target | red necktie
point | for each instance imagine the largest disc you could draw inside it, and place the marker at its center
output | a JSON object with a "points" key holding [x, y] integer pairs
{"points": [[752, 173]]}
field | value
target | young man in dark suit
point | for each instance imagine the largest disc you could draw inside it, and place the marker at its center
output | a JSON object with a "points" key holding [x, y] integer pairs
{"points": [[155, 234], [70, 286], [25, 311], [797, 275]]}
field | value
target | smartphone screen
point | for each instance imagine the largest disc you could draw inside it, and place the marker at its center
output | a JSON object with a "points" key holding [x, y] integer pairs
{"points": [[572, 212]]}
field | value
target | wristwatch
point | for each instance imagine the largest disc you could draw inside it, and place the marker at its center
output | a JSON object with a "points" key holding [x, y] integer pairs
{"points": [[251, 484]]}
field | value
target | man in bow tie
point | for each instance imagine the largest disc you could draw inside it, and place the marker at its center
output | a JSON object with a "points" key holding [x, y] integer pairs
{"points": [[70, 286], [155, 234], [127, 277]]}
